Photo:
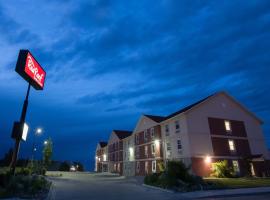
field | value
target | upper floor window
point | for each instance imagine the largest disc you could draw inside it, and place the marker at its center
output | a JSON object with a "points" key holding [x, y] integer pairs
{"points": [[146, 150], [137, 139], [152, 132], [168, 146], [167, 129], [137, 151], [228, 126], [138, 166], [153, 150], [179, 145], [145, 135], [231, 145], [177, 126]]}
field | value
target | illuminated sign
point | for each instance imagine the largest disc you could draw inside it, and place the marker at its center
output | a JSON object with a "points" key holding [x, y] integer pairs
{"points": [[25, 132], [29, 68]]}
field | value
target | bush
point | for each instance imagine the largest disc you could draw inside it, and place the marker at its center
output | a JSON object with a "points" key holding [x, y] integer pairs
{"points": [[221, 169], [151, 179]]}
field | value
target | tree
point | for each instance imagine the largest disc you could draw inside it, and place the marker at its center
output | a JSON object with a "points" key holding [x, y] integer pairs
{"points": [[79, 166], [8, 157], [64, 166], [47, 152], [221, 169]]}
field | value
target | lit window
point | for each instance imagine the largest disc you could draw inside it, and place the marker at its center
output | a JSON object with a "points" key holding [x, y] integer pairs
{"points": [[179, 145], [177, 126], [104, 157], [228, 126], [146, 150], [154, 166], [236, 166], [152, 130], [231, 145], [153, 148], [167, 130], [168, 146]]}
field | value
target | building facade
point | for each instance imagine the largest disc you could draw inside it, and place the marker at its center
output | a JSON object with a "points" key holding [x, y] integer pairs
{"points": [[115, 150], [101, 159], [213, 129]]}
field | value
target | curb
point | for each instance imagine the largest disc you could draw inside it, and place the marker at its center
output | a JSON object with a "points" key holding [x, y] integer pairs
{"points": [[226, 193], [157, 188], [51, 195]]}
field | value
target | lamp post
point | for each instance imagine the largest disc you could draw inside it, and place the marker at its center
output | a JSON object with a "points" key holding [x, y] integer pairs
{"points": [[36, 133]]}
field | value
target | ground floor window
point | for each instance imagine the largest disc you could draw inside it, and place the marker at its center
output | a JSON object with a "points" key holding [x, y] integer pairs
{"points": [[146, 167], [236, 166], [154, 163]]}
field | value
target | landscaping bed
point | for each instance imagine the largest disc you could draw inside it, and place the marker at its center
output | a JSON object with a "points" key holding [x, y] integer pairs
{"points": [[23, 185], [238, 182]]}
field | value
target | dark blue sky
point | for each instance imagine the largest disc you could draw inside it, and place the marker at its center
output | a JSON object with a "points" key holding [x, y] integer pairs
{"points": [[109, 61]]}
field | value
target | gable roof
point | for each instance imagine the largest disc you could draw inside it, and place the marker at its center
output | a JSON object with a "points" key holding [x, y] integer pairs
{"points": [[188, 107], [156, 118], [103, 144], [121, 134]]}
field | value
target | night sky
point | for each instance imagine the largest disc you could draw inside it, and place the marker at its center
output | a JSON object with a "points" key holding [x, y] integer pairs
{"points": [[108, 62]]}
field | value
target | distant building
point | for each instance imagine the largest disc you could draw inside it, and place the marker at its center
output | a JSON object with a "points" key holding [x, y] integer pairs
{"points": [[215, 128], [101, 158]]}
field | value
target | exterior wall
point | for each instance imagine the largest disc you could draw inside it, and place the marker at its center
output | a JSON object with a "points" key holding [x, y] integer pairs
{"points": [[222, 107], [115, 152], [101, 159], [207, 134], [170, 139], [128, 156], [147, 135]]}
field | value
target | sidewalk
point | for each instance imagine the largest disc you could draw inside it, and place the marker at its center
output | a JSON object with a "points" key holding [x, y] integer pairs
{"points": [[226, 192]]}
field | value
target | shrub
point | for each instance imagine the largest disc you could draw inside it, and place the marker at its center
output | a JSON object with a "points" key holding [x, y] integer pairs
{"points": [[222, 170], [178, 170], [151, 179]]}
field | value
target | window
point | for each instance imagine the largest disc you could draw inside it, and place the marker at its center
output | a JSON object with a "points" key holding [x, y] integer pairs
{"points": [[227, 125], [236, 166], [137, 139], [104, 157], [179, 145], [154, 166], [137, 151], [146, 167], [231, 145], [145, 135], [167, 130], [146, 150], [177, 126], [138, 166], [152, 131], [168, 146], [153, 148]]}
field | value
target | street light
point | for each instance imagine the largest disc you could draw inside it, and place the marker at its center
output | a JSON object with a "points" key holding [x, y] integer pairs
{"points": [[34, 149], [45, 142]]}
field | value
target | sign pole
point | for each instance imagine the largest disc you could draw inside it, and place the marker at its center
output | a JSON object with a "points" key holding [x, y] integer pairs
{"points": [[18, 139]]}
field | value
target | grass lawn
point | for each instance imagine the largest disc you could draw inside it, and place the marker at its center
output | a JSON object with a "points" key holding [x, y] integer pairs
{"points": [[239, 182]]}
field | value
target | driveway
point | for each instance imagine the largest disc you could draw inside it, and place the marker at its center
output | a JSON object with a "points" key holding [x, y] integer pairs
{"points": [[80, 186]]}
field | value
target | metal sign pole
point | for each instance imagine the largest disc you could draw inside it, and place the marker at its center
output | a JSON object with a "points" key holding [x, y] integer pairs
{"points": [[18, 139]]}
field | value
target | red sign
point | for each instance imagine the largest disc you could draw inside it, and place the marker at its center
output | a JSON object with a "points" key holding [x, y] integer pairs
{"points": [[34, 70], [29, 68]]}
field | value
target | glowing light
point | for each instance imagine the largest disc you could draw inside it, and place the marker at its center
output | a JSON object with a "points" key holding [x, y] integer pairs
{"points": [[207, 160], [39, 131], [96, 157], [25, 131], [104, 157], [156, 142], [45, 142]]}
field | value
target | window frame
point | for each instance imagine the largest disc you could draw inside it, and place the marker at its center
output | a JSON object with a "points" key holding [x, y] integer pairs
{"points": [[152, 132], [154, 166], [153, 149], [232, 146], [179, 144], [228, 126], [177, 126]]}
